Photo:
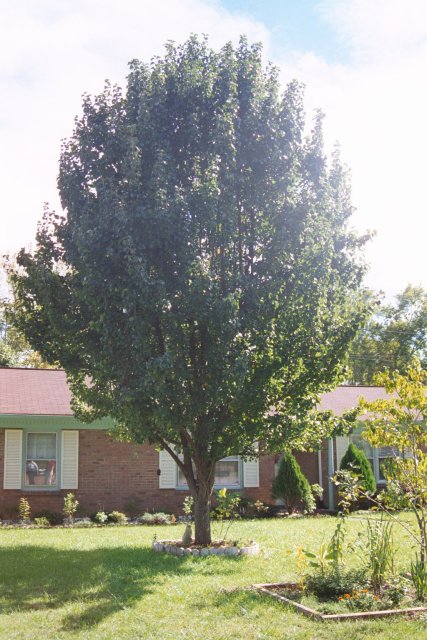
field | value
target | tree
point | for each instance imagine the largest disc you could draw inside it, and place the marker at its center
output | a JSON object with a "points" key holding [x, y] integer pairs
{"points": [[290, 484], [355, 460], [204, 272], [399, 422], [392, 338]]}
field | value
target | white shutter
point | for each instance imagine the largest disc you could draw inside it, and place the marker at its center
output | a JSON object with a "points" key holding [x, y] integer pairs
{"points": [[70, 460], [167, 467], [251, 473], [12, 459], [341, 443]]}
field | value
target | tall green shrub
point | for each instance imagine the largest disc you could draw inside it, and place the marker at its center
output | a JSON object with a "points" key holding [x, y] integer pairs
{"points": [[355, 460], [290, 484]]}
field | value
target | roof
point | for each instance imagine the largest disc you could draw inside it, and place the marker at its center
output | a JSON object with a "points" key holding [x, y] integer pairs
{"points": [[346, 397], [34, 392], [45, 392]]}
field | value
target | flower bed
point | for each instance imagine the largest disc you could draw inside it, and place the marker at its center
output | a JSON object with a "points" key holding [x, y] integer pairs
{"points": [[291, 594], [175, 548]]}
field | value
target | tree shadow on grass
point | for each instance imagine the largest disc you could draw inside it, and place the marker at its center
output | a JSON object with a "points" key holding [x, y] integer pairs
{"points": [[106, 580]]}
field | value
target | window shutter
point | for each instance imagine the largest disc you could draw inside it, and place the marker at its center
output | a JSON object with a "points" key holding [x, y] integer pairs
{"points": [[167, 466], [251, 473], [341, 443], [70, 460], [12, 459]]}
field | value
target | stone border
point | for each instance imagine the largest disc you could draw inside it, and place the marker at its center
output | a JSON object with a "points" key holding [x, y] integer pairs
{"points": [[176, 549], [316, 615]]}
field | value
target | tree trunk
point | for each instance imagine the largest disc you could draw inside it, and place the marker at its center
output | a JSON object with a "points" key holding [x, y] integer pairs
{"points": [[202, 518]]}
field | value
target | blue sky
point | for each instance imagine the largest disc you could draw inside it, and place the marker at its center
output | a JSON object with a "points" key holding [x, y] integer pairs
{"points": [[294, 25], [363, 62]]}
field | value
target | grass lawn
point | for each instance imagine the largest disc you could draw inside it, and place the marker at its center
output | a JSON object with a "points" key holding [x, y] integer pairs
{"points": [[107, 583]]}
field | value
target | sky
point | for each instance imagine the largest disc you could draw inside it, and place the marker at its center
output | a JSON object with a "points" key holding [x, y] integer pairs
{"points": [[363, 62]]}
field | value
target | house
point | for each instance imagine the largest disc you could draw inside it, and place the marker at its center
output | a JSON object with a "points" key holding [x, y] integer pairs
{"points": [[45, 453]]}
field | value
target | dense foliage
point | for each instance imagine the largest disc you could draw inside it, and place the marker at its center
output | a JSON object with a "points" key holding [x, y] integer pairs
{"points": [[290, 484], [355, 460], [204, 272], [392, 338], [399, 422]]}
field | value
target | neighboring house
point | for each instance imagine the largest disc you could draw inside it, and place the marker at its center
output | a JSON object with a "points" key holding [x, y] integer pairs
{"points": [[45, 453]]}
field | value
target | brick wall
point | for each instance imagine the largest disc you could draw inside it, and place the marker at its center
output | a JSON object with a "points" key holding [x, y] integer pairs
{"points": [[112, 475]]}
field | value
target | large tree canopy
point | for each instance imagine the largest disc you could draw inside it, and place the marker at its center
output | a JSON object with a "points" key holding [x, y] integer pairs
{"points": [[204, 272], [393, 337]]}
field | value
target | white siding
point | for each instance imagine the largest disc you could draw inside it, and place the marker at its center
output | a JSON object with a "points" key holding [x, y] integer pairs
{"points": [[12, 459], [70, 460]]}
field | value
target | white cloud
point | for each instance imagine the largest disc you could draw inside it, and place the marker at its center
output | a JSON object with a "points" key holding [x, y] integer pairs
{"points": [[376, 106], [52, 51]]}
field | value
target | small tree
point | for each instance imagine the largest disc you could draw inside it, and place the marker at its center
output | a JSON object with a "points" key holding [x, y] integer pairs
{"points": [[356, 461], [70, 507], [399, 422], [290, 484]]}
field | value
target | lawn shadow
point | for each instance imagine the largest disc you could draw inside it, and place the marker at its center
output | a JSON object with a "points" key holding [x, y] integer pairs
{"points": [[106, 579]]}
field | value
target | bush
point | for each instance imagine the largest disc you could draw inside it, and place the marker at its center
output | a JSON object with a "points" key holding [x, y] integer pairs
{"points": [[52, 517], [156, 518], [117, 517], [42, 522], [100, 517], [291, 485], [355, 461], [333, 583]]}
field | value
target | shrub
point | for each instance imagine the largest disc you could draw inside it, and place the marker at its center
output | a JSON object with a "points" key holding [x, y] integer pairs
{"points": [[100, 517], [52, 517], [41, 522], [333, 583], [117, 517], [24, 510], [70, 507], [291, 485], [355, 460], [156, 518]]}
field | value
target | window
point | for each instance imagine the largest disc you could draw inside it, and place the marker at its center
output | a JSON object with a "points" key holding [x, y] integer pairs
{"points": [[40, 459], [227, 473], [377, 458]]}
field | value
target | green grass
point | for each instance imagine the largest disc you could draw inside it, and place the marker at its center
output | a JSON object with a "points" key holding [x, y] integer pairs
{"points": [[107, 583]]}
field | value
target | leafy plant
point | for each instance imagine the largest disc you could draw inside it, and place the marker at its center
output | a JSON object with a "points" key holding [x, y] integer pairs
{"points": [[419, 578], [70, 507], [101, 517], [156, 518], [188, 506], [332, 583], [41, 522], [117, 517], [24, 510], [226, 511], [379, 551]]}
